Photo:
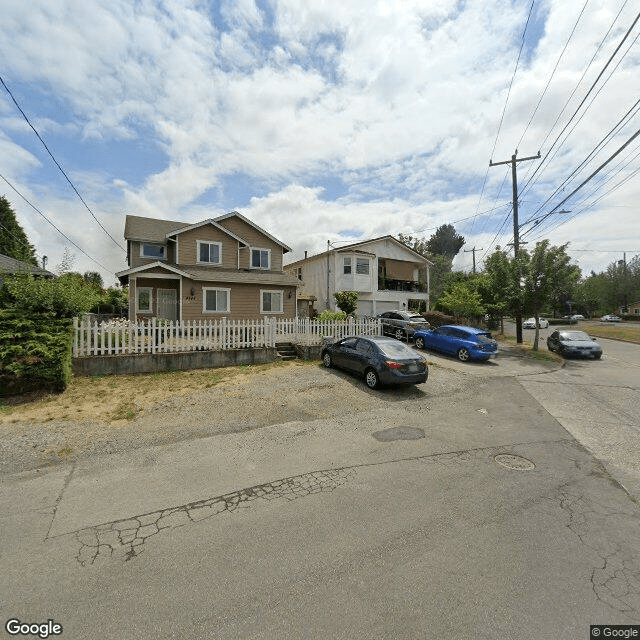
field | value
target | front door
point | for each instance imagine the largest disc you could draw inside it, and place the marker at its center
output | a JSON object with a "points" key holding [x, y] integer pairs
{"points": [[167, 304]]}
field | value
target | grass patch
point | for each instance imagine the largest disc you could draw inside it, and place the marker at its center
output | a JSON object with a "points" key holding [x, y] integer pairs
{"points": [[109, 398]]}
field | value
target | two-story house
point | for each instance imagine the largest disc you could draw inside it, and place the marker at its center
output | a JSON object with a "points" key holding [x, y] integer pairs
{"points": [[222, 267], [386, 274]]}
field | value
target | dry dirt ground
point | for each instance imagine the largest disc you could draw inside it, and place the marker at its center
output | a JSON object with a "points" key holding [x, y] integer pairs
{"points": [[118, 413]]}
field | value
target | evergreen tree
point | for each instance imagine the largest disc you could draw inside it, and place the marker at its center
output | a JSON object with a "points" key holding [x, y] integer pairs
{"points": [[13, 240]]}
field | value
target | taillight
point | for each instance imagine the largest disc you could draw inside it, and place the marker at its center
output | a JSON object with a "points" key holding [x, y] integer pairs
{"points": [[393, 365]]}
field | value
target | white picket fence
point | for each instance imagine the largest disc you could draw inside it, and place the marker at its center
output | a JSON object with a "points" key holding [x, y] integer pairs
{"points": [[161, 336]]}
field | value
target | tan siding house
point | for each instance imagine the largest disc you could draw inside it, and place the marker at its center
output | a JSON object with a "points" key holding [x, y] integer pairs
{"points": [[225, 267]]}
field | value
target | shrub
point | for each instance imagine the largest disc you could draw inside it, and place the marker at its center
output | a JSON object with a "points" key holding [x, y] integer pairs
{"points": [[331, 316], [347, 301], [437, 318], [35, 351]]}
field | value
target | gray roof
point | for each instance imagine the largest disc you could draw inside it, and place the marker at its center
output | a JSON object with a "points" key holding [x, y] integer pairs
{"points": [[156, 230], [11, 265], [203, 274], [150, 229]]}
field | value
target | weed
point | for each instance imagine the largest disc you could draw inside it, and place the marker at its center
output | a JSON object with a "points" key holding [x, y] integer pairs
{"points": [[126, 410], [64, 453]]}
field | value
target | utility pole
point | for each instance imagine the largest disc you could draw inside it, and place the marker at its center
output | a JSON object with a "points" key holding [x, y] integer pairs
{"points": [[516, 236], [474, 256]]}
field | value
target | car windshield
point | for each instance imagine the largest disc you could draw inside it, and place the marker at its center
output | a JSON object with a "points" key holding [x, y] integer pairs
{"points": [[394, 349], [484, 337], [572, 336]]}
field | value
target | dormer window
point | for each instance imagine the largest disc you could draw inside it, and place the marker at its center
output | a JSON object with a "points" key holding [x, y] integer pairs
{"points": [[260, 258], [209, 252], [155, 251]]}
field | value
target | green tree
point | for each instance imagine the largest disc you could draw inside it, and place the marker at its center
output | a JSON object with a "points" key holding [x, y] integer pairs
{"points": [[461, 300], [498, 286], [347, 301], [13, 239], [94, 278], [445, 242], [546, 274], [66, 296]]}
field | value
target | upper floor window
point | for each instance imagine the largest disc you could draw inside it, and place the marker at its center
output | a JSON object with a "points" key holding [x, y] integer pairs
{"points": [[260, 258], [209, 252], [157, 251], [347, 265], [362, 266]]}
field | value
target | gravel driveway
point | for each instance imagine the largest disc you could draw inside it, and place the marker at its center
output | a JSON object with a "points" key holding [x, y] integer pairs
{"points": [[292, 392]]}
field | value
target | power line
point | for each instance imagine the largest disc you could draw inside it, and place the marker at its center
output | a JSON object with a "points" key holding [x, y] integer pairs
{"points": [[526, 186], [594, 173], [24, 115], [602, 142], [55, 227], [552, 73], [506, 102]]}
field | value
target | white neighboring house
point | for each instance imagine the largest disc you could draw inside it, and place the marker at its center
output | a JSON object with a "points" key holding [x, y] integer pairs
{"points": [[386, 274]]}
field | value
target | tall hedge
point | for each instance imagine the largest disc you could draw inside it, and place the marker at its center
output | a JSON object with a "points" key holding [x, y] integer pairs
{"points": [[35, 351]]}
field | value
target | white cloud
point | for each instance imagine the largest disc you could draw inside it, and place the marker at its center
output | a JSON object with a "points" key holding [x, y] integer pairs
{"points": [[399, 101]]}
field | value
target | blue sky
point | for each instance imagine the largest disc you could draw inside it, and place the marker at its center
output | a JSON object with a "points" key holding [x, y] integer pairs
{"points": [[318, 120]]}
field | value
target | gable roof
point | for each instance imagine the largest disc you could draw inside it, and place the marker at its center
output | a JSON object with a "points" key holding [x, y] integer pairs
{"points": [[255, 226], [11, 265], [360, 247], [150, 229], [143, 229], [212, 222]]}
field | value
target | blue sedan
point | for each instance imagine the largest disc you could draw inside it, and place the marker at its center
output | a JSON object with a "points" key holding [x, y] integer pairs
{"points": [[465, 342]]}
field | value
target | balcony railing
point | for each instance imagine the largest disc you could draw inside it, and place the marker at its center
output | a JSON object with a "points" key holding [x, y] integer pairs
{"points": [[389, 284]]}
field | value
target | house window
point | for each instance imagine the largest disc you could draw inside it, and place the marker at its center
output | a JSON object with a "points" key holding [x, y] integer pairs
{"points": [[215, 300], [209, 252], [260, 258], [362, 266], [144, 299], [347, 265], [157, 251], [299, 273], [270, 301]]}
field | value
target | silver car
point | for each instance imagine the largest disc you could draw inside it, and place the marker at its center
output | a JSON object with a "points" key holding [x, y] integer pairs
{"points": [[402, 324]]}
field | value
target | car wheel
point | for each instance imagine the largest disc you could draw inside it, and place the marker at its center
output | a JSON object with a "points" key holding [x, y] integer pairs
{"points": [[463, 354], [399, 334], [419, 343], [371, 378], [597, 356], [326, 360]]}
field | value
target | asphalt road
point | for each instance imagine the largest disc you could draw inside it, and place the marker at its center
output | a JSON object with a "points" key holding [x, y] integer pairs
{"points": [[473, 514]]}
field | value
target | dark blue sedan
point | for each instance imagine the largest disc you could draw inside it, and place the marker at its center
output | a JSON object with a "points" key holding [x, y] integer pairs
{"points": [[380, 360], [465, 342]]}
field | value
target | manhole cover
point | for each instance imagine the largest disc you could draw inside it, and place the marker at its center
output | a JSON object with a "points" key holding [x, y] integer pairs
{"points": [[514, 462], [399, 433]]}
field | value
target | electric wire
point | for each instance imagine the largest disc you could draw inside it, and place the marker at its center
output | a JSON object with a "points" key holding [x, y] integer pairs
{"points": [[584, 99], [555, 68], [627, 116], [55, 227], [24, 115], [506, 102]]}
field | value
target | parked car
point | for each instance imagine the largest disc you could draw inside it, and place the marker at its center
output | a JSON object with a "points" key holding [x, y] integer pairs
{"points": [[531, 323], [609, 318], [465, 342], [380, 360], [402, 324], [568, 342], [577, 316], [570, 320]]}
